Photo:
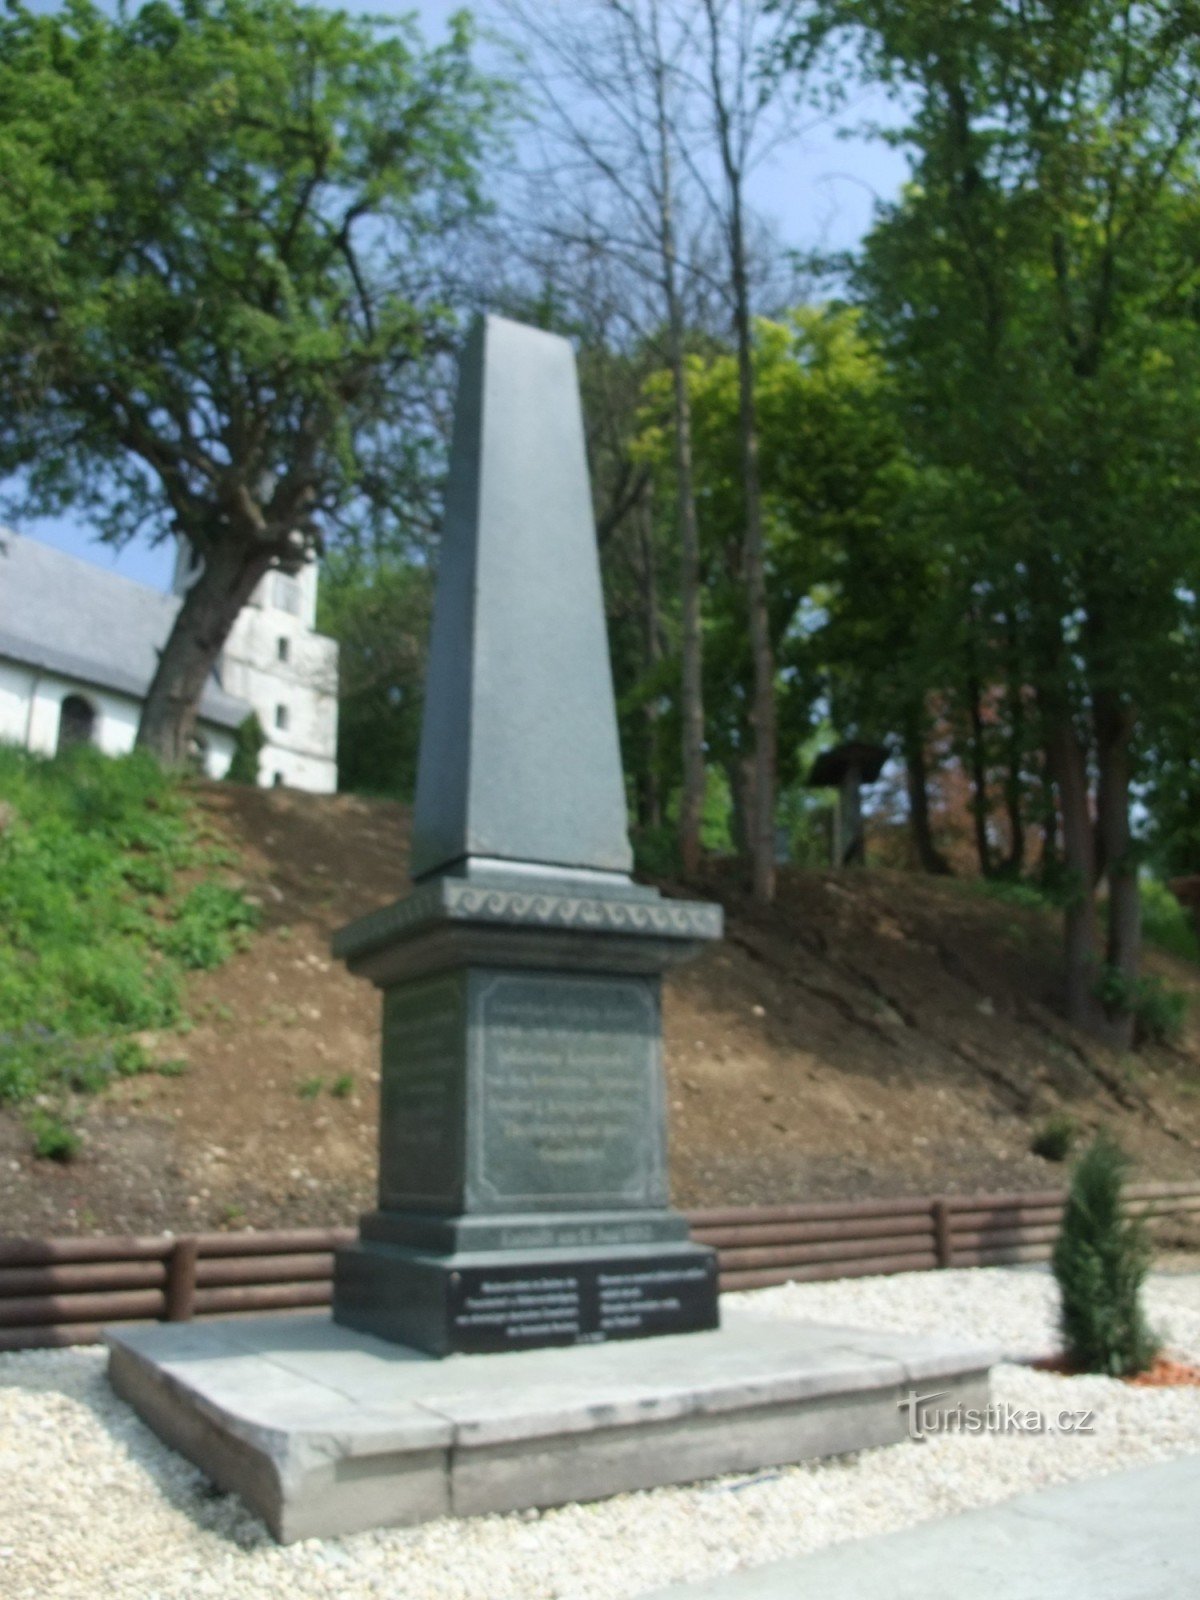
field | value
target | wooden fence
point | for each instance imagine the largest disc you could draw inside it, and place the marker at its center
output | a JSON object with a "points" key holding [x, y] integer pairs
{"points": [[762, 1245], [63, 1291]]}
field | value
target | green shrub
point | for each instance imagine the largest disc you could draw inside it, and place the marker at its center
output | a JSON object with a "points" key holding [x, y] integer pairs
{"points": [[248, 742], [53, 1138], [1053, 1140], [37, 1060], [310, 1088], [211, 922], [1100, 1261], [1016, 892], [1158, 1010], [656, 852], [342, 1086], [1165, 924]]}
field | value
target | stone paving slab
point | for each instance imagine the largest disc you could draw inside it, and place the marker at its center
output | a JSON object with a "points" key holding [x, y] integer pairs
{"points": [[1130, 1536], [325, 1431]]}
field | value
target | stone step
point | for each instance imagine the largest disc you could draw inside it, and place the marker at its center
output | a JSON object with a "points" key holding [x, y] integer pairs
{"points": [[324, 1431]]}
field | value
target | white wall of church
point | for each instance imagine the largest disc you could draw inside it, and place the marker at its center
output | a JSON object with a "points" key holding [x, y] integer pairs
{"points": [[31, 711], [15, 683], [277, 765]]}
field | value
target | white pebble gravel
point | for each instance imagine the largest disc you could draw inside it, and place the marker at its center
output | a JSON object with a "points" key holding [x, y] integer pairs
{"points": [[92, 1505]]}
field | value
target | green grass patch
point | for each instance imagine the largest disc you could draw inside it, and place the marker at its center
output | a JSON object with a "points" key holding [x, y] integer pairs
{"points": [[1015, 892], [1166, 925], [54, 1139], [111, 891], [1053, 1139]]}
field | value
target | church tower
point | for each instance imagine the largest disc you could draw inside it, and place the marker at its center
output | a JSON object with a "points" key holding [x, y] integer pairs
{"points": [[276, 661]]}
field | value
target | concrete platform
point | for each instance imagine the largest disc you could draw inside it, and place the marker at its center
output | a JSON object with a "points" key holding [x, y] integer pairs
{"points": [[325, 1431], [1131, 1536]]}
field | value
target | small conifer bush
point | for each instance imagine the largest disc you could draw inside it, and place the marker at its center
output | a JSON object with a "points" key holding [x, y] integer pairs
{"points": [[248, 742], [1100, 1261]]}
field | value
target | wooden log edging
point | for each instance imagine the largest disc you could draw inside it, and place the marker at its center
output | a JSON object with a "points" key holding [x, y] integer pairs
{"points": [[56, 1292]]}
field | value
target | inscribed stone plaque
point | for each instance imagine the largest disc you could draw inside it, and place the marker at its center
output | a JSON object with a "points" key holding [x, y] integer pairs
{"points": [[514, 1307], [421, 1108], [567, 1086]]}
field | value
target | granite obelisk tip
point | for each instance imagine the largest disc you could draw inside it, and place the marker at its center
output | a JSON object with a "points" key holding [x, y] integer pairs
{"points": [[519, 759]]}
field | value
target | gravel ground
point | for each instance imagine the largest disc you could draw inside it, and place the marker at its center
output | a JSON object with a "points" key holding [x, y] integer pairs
{"points": [[92, 1505]]}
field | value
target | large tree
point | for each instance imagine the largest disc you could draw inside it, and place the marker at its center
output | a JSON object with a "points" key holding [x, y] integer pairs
{"points": [[226, 234], [611, 86], [829, 461], [1035, 288]]}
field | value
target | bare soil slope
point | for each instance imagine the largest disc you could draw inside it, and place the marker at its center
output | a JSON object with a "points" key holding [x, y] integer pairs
{"points": [[874, 1033]]}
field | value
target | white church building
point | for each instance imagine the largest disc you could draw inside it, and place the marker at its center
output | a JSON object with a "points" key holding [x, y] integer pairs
{"points": [[79, 645]]}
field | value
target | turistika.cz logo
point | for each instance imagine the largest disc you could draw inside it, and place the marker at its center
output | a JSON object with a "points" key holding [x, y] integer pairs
{"points": [[926, 1418]]}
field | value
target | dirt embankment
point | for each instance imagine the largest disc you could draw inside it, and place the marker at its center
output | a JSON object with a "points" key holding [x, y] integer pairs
{"points": [[873, 1033]]}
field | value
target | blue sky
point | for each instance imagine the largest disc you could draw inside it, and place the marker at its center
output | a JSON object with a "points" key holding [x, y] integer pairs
{"points": [[819, 190]]}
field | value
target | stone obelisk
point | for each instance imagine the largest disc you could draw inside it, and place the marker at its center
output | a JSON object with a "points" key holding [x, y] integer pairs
{"points": [[522, 1169]]}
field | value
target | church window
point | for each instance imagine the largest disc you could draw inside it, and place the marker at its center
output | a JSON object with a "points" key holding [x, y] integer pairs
{"points": [[281, 716], [76, 721], [283, 648]]}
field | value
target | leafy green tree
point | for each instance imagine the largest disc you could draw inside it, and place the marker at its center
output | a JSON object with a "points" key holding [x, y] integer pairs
{"points": [[378, 609], [226, 228], [1170, 788], [828, 446], [1035, 290]]}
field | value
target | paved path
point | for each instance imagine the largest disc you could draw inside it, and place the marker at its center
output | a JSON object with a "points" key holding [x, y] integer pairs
{"points": [[1132, 1536]]}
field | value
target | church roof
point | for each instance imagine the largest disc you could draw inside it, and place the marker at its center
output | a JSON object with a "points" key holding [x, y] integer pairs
{"points": [[67, 616]]}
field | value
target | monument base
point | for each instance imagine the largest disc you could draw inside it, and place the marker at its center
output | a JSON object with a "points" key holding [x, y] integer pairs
{"points": [[476, 1301], [323, 1431]]}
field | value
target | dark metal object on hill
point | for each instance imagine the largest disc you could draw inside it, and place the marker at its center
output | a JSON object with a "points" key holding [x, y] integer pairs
{"points": [[846, 768]]}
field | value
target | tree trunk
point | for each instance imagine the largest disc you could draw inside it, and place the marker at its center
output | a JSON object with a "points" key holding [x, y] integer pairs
{"points": [[739, 774], [1014, 863], [1114, 730], [1068, 759], [691, 688], [917, 778], [763, 710], [651, 805], [691, 692], [763, 715], [1050, 862], [761, 811], [979, 779], [209, 610]]}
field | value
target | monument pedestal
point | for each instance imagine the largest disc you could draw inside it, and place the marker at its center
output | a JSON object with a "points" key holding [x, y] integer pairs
{"points": [[477, 1301], [522, 1171]]}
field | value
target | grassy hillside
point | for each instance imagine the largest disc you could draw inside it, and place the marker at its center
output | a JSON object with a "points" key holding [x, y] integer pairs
{"points": [[112, 889], [873, 1033]]}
